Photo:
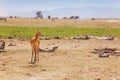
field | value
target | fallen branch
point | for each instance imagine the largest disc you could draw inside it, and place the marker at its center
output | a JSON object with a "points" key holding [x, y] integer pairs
{"points": [[103, 38], [106, 52], [51, 50], [86, 37]]}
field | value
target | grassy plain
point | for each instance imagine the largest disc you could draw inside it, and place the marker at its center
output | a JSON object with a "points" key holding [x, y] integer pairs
{"points": [[51, 32], [26, 27]]}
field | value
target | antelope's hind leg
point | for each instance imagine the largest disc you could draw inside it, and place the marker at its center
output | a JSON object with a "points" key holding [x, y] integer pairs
{"points": [[35, 56], [32, 58], [38, 55]]}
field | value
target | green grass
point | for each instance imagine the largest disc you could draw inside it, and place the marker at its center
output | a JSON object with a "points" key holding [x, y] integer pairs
{"points": [[28, 32]]}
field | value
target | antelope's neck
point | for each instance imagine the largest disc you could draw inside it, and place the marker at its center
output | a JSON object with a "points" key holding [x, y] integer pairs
{"points": [[37, 37]]}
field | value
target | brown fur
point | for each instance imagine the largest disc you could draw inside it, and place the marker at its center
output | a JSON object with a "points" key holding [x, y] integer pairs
{"points": [[35, 42]]}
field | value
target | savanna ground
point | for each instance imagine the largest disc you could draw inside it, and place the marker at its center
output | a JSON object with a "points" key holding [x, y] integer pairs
{"points": [[72, 60]]}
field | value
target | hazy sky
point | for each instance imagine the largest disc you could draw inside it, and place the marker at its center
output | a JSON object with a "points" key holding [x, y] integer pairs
{"points": [[7, 6], [28, 5]]}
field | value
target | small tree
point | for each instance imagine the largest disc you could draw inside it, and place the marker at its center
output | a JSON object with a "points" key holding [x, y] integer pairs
{"points": [[49, 17], [39, 14]]}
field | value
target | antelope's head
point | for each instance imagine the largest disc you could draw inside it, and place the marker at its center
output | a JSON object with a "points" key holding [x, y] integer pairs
{"points": [[38, 34]]}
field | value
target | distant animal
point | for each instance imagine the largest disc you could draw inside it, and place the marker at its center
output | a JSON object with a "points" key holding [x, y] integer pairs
{"points": [[71, 17], [76, 17], [35, 43], [3, 19]]}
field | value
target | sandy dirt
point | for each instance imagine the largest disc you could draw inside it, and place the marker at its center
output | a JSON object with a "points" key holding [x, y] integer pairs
{"points": [[71, 61]]}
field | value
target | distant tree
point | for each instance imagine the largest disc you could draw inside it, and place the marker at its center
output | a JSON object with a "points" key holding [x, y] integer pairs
{"points": [[49, 17], [39, 14]]}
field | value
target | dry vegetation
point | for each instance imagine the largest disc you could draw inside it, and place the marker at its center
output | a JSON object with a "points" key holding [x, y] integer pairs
{"points": [[71, 61], [31, 22]]}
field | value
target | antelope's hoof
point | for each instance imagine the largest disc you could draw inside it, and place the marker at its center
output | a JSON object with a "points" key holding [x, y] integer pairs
{"points": [[32, 62]]}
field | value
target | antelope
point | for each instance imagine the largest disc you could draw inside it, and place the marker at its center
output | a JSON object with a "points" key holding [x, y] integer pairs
{"points": [[35, 42]]}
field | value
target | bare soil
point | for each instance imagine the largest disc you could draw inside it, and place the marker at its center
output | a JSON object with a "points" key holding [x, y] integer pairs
{"points": [[72, 60]]}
